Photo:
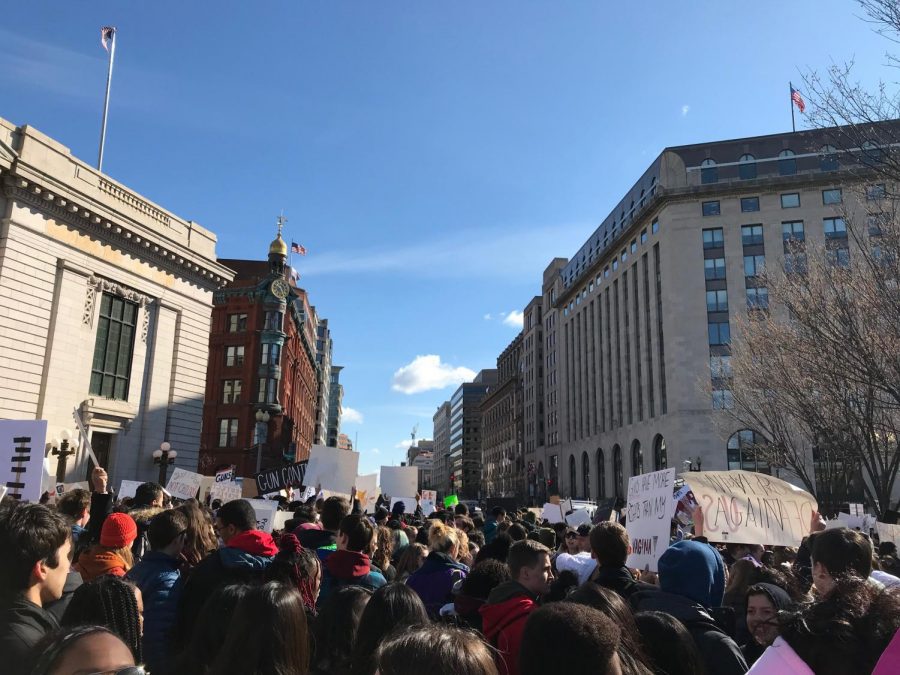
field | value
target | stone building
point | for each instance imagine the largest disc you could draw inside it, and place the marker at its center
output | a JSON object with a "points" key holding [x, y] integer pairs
{"points": [[441, 465], [105, 302], [464, 458], [502, 433]]}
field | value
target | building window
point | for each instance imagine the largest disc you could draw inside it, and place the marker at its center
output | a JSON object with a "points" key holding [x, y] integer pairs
{"points": [[606, 272], [711, 208], [660, 456], [643, 236], [871, 153], [234, 355], [634, 245], [746, 450], [572, 478], [637, 458], [237, 323], [717, 301], [713, 238], [615, 264], [835, 228], [274, 320], [792, 231], [268, 390], [828, 160], [747, 167], [795, 263], [708, 171], [113, 347], [231, 391], [720, 367], [876, 191], [790, 200], [618, 472], [714, 268], [585, 476], [654, 226], [787, 164], [832, 196], [719, 333], [228, 431], [754, 265], [601, 475], [838, 257], [751, 235], [758, 298], [722, 399], [624, 255], [749, 204]]}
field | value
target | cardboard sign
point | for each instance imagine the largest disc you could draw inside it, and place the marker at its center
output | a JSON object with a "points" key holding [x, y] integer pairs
{"points": [[128, 488], [226, 492], [184, 484], [450, 501], [650, 507], [744, 507], [22, 445], [367, 491], [400, 481], [332, 469], [279, 478], [552, 513], [887, 532], [265, 514], [579, 517]]}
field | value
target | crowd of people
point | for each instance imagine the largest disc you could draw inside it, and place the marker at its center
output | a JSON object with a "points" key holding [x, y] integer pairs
{"points": [[95, 585]]}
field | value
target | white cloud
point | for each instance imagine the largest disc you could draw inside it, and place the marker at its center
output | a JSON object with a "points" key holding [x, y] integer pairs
{"points": [[685, 109], [376, 451], [351, 415], [515, 318], [487, 317], [403, 445], [427, 372]]}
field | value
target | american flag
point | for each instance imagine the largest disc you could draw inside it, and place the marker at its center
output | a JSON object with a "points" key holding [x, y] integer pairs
{"points": [[295, 275], [798, 100], [106, 33], [297, 248]]}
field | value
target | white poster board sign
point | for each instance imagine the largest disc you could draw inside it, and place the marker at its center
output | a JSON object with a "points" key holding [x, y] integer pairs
{"points": [[22, 444], [888, 532], [335, 470], [184, 484], [552, 513], [400, 481], [409, 503], [265, 514], [367, 491], [225, 475], [128, 488], [650, 508], [226, 492], [430, 495], [62, 488], [427, 507], [579, 517], [281, 517], [745, 507]]}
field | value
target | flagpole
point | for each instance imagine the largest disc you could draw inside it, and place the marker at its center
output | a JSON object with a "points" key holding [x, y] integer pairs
{"points": [[791, 103], [112, 56]]}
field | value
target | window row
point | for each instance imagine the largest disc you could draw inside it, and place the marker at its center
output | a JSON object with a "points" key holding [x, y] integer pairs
{"points": [[787, 162]]}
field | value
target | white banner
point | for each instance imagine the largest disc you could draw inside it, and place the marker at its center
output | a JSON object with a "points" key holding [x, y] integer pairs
{"points": [[367, 491], [400, 481], [651, 506], [578, 517], [888, 532], [226, 492], [332, 469], [745, 507], [265, 513], [184, 484], [22, 444], [128, 488], [552, 513]]}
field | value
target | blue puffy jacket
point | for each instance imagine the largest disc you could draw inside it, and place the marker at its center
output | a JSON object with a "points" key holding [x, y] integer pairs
{"points": [[158, 577]]}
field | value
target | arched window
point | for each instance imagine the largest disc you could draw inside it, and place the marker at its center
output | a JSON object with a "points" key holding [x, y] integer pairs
{"points": [[541, 484], [660, 459], [871, 153], [744, 452], [585, 476], [637, 458], [708, 171], [572, 477], [747, 167], [828, 159], [787, 165], [601, 475], [618, 474]]}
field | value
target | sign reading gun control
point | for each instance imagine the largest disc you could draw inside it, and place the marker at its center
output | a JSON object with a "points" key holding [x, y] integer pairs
{"points": [[273, 480], [651, 505], [751, 508]]}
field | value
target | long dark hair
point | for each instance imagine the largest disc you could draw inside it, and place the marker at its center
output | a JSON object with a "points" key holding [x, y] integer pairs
{"points": [[668, 644], [108, 601], [435, 650], [209, 631], [392, 607], [50, 649], [268, 634], [336, 627], [299, 567]]}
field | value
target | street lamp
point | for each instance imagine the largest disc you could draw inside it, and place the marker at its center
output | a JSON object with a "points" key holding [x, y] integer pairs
{"points": [[60, 448], [262, 432], [689, 464], [164, 456]]}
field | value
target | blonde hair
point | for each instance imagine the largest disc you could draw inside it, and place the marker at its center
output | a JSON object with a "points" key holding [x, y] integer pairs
{"points": [[442, 538]]}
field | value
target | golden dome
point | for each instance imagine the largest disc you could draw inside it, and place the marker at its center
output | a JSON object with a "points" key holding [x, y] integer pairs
{"points": [[278, 246]]}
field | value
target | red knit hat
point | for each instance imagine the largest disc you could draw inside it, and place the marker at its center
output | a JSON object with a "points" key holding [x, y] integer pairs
{"points": [[118, 531]]}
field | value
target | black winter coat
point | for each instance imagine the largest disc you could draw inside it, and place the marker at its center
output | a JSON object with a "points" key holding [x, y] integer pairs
{"points": [[22, 625]]}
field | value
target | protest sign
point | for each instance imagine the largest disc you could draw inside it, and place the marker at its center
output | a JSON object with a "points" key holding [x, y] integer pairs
{"points": [[225, 475], [408, 503], [430, 495], [566, 506], [226, 492], [400, 481], [856, 509], [684, 505], [650, 507], [278, 478], [281, 517], [184, 484], [751, 508], [62, 488], [450, 501], [888, 532], [367, 491], [552, 513], [332, 469], [265, 513], [22, 445], [427, 507], [579, 517], [128, 488], [854, 522]]}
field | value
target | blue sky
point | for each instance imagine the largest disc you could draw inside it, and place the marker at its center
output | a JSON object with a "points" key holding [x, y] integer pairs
{"points": [[431, 156]]}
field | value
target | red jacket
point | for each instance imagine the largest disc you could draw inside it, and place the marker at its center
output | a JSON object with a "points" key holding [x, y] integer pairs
{"points": [[503, 619]]}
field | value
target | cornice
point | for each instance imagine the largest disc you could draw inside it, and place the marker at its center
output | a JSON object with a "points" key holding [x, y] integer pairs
{"points": [[127, 237]]}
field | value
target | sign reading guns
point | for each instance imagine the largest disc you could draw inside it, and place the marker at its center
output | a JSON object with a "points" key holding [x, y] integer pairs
{"points": [[22, 457]]}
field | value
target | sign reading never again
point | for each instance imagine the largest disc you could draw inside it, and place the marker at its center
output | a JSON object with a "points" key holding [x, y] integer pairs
{"points": [[273, 480]]}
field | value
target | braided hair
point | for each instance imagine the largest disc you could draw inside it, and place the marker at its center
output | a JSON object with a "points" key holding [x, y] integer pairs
{"points": [[298, 567], [108, 601]]}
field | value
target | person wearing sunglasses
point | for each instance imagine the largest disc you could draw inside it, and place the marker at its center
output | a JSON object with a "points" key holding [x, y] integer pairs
{"points": [[86, 650]]}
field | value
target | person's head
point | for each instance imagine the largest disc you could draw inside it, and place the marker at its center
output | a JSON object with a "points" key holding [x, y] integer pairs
{"points": [[464, 523], [76, 506], [436, 650], [148, 494], [34, 552], [548, 537], [305, 513], [668, 644], [393, 607], [399, 542], [517, 532], [334, 510], [200, 535], [694, 570], [484, 577], [210, 629], [839, 553], [356, 533], [529, 517], [741, 576], [234, 518], [112, 602], [82, 649], [336, 627], [887, 548], [529, 564], [381, 515], [498, 513], [609, 544], [443, 539], [565, 637], [267, 634], [583, 537], [412, 558], [764, 601], [384, 546], [297, 567], [167, 532], [461, 510]]}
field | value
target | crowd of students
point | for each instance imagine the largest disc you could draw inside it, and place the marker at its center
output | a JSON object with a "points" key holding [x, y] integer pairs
{"points": [[92, 585]]}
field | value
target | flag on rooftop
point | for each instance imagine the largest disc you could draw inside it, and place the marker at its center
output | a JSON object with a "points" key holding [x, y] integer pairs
{"points": [[798, 100], [106, 33], [297, 248]]}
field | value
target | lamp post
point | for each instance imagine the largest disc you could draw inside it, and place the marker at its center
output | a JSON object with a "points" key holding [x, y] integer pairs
{"points": [[60, 448], [164, 456], [262, 432], [689, 464]]}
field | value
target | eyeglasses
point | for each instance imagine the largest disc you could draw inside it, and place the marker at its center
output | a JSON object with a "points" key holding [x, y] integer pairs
{"points": [[130, 670]]}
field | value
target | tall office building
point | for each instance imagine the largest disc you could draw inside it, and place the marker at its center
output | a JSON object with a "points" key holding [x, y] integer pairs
{"points": [[502, 433], [441, 464], [464, 459], [335, 406], [324, 347]]}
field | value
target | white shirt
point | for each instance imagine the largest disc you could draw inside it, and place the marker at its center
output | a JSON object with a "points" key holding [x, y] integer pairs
{"points": [[581, 564]]}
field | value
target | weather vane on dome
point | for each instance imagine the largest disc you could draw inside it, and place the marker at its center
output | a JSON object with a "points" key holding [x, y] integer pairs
{"points": [[280, 221]]}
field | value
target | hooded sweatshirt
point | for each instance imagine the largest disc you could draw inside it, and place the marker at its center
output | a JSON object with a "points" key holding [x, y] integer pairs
{"points": [[781, 601], [349, 568], [435, 579], [97, 561], [503, 619]]}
